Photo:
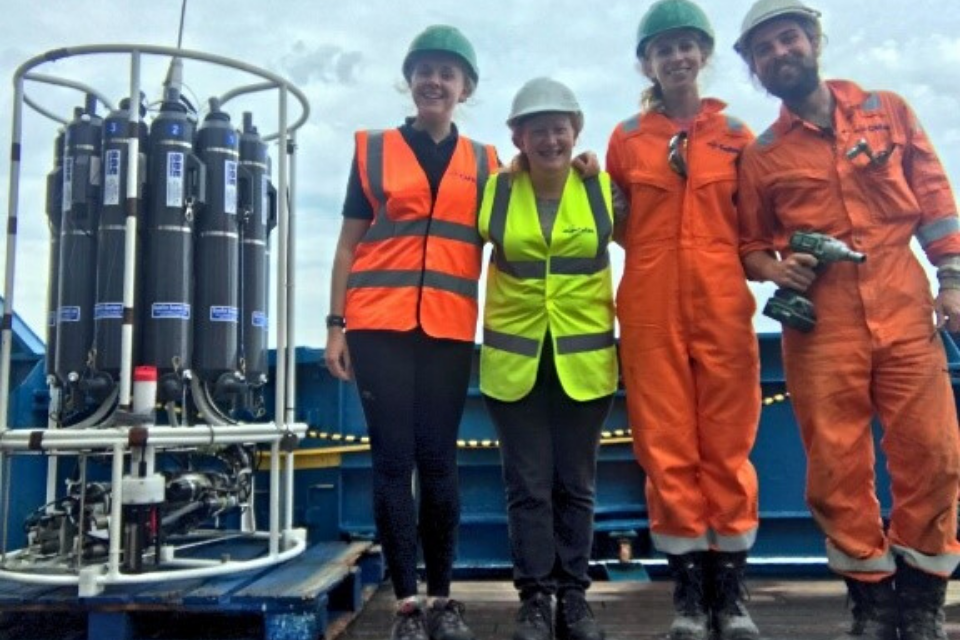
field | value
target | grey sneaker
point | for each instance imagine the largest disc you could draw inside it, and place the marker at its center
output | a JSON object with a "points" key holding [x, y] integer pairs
{"points": [[409, 623]]}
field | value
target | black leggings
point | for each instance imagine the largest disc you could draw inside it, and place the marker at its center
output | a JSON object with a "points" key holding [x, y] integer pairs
{"points": [[413, 389]]}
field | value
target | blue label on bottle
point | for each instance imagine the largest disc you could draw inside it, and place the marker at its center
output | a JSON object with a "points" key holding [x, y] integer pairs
{"points": [[170, 311], [258, 319], [223, 314], [108, 311], [69, 314]]}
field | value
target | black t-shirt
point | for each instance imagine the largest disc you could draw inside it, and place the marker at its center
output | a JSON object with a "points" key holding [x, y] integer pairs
{"points": [[433, 158]]}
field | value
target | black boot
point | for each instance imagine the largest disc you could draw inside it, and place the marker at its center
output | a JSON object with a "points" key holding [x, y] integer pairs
{"points": [[535, 618], [874, 609], [444, 620], [574, 619], [726, 595], [920, 597], [690, 621]]}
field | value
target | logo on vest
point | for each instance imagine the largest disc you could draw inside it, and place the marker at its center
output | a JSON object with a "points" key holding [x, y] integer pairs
{"points": [[464, 176], [578, 231], [723, 147]]}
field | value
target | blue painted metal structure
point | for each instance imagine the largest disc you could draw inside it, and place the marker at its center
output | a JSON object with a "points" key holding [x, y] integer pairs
{"points": [[335, 500], [333, 482]]}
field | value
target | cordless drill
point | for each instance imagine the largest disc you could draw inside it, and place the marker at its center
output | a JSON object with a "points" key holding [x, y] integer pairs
{"points": [[791, 307]]}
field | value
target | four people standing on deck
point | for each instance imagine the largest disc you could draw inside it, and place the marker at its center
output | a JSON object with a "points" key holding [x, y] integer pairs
{"points": [[692, 232]]}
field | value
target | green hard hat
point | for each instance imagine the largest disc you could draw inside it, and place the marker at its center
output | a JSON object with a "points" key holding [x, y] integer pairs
{"points": [[445, 39], [666, 15]]}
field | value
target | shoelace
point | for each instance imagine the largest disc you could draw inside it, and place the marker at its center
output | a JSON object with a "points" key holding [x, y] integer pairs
{"points": [[732, 590]]}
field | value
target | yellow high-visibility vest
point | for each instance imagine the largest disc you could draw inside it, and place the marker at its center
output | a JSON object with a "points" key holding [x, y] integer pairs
{"points": [[532, 287]]}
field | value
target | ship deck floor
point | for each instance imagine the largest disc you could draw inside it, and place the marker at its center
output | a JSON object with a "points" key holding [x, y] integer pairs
{"points": [[795, 609]]}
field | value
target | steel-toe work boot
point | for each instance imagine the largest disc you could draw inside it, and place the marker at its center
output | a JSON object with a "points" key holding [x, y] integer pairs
{"points": [[535, 618], [920, 597], [726, 593], [445, 621], [409, 623], [874, 610], [574, 618], [690, 621]]}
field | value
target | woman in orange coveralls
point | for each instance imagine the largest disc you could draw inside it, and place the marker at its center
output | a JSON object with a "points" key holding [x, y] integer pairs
{"points": [[689, 353]]}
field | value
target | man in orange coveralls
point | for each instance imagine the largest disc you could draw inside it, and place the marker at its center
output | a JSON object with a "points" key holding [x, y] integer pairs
{"points": [[856, 165]]}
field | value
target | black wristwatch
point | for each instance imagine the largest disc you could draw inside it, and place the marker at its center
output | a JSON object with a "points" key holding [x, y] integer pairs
{"points": [[336, 321]]}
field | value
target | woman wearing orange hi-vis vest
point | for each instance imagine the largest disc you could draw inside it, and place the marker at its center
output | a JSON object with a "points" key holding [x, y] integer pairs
{"points": [[688, 351], [404, 300]]}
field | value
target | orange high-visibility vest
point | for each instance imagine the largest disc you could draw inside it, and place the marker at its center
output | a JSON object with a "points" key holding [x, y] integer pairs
{"points": [[419, 262]]}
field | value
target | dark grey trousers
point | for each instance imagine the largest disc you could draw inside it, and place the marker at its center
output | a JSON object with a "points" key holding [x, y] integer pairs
{"points": [[549, 444]]}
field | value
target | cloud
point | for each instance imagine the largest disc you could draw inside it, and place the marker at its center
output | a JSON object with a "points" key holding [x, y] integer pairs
{"points": [[346, 56], [325, 63]]}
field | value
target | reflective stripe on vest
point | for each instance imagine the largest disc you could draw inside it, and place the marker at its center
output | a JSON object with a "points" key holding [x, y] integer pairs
{"points": [[388, 278], [565, 344], [418, 263]]}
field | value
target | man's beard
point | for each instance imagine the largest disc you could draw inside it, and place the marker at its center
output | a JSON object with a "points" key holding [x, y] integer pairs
{"points": [[797, 88]]}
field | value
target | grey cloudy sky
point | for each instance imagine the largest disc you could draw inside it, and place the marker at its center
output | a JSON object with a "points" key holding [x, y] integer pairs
{"points": [[345, 56]]}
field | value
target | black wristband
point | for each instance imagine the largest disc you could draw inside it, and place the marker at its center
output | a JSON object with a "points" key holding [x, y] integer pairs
{"points": [[336, 321]]}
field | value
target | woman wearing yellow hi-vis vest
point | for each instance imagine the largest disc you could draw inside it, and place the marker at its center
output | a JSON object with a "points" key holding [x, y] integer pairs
{"points": [[548, 365]]}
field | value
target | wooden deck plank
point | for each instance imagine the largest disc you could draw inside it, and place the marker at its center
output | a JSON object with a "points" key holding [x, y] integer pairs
{"points": [[309, 575]]}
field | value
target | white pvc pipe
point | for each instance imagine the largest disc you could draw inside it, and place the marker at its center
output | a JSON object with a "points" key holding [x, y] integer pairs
{"points": [[116, 512], [202, 570], [6, 325], [274, 498], [19, 439], [130, 234], [290, 382], [280, 390], [288, 461]]}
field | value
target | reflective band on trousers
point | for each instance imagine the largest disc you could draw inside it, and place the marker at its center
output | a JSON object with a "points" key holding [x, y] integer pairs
{"points": [[565, 344], [537, 269], [433, 279]]}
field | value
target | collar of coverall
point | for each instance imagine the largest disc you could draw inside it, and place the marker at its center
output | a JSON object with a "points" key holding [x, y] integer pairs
{"points": [[848, 96]]}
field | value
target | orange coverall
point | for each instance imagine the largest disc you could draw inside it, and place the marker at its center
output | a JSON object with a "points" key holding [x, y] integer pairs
{"points": [[687, 346], [875, 350]]}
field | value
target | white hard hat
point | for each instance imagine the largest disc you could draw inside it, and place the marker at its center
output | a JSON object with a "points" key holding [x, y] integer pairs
{"points": [[764, 10], [543, 95]]}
